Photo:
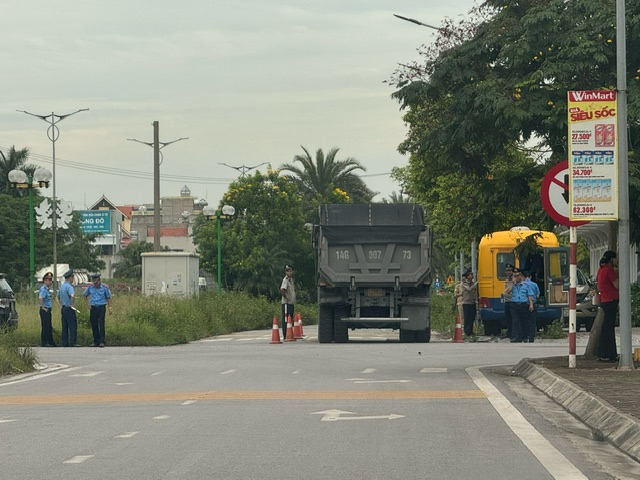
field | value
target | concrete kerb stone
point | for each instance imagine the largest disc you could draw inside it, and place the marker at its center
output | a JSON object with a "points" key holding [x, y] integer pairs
{"points": [[618, 428]]}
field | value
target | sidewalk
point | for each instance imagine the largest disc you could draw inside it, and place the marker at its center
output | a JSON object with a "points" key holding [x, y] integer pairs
{"points": [[603, 397]]}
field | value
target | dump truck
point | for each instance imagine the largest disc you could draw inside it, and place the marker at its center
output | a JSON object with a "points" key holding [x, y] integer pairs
{"points": [[374, 270]]}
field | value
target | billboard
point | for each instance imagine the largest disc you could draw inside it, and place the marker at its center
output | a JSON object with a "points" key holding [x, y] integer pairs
{"points": [[96, 221], [593, 155]]}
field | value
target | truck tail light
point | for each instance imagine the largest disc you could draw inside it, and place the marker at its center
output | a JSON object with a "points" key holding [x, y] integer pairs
{"points": [[483, 302]]}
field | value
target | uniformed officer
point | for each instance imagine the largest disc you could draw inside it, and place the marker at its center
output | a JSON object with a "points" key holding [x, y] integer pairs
{"points": [[521, 307], [98, 296], [44, 300], [66, 301]]}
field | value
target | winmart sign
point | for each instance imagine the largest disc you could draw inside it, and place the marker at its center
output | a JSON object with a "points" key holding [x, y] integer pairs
{"points": [[592, 96]]}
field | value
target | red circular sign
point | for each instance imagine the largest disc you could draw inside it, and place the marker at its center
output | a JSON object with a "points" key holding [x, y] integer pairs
{"points": [[554, 194]]}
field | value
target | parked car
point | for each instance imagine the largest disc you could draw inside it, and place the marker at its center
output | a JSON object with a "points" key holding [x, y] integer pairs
{"points": [[8, 312], [585, 310]]}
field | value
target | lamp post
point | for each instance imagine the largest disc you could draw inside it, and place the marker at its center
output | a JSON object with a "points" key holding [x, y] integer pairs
{"points": [[211, 213], [53, 133], [20, 179]]}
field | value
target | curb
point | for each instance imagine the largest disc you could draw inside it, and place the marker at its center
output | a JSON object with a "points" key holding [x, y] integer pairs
{"points": [[607, 422]]}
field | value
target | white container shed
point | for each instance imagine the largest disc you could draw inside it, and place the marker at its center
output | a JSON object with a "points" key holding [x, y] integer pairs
{"points": [[170, 273]]}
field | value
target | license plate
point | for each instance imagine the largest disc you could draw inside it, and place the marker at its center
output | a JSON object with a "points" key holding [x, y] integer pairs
{"points": [[374, 292]]}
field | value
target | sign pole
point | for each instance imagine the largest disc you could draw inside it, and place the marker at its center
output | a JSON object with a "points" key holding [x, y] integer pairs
{"points": [[573, 276]]}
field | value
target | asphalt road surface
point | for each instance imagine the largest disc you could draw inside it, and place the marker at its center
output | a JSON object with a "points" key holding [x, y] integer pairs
{"points": [[237, 407]]}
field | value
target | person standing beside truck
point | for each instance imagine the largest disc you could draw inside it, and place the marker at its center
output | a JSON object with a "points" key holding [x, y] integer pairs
{"points": [[521, 307], [533, 319], [608, 283], [288, 292], [508, 283], [468, 295], [44, 299]]}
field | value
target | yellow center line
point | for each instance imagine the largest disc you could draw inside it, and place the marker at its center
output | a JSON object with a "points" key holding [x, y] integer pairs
{"points": [[244, 395]]}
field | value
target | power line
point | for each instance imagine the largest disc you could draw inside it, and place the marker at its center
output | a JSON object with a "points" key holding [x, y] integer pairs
{"points": [[121, 172]]}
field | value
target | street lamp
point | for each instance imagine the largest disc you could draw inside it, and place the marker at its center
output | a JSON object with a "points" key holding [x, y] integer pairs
{"points": [[20, 179], [211, 213], [53, 133]]}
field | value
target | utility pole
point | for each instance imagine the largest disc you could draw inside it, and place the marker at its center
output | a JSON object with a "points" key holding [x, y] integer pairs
{"points": [[156, 145], [243, 169]]}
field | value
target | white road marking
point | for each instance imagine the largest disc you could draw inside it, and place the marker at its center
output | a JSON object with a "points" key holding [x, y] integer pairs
{"points": [[217, 340], [335, 415], [369, 370], [231, 370], [434, 370], [161, 417], [7, 420], [126, 435], [295, 372], [382, 381], [120, 384], [551, 459], [188, 402], [157, 373], [87, 374], [55, 370], [78, 459]]}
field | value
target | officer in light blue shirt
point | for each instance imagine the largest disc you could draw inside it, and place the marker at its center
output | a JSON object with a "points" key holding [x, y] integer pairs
{"points": [[98, 296], [66, 301], [521, 307], [44, 299], [533, 319]]}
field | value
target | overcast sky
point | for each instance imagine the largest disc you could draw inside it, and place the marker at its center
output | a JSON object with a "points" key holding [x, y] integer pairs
{"points": [[247, 81]]}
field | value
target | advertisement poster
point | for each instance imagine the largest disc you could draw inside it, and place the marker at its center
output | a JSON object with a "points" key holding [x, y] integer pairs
{"points": [[593, 163]]}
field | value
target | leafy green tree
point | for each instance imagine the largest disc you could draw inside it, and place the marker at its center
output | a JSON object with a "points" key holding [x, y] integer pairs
{"points": [[327, 180], [130, 265], [74, 247], [14, 160], [267, 232], [493, 86]]}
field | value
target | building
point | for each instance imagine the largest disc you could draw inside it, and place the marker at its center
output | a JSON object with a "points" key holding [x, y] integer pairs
{"points": [[116, 226]]}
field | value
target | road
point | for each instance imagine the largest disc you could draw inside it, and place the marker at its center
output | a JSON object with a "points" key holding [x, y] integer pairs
{"points": [[237, 407]]}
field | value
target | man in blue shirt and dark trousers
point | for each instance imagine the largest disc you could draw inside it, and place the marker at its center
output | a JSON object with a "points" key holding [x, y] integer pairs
{"points": [[66, 298], [533, 319], [521, 307], [100, 298]]}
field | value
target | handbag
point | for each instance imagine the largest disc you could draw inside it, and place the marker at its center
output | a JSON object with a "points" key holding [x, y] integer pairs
{"points": [[595, 300]]}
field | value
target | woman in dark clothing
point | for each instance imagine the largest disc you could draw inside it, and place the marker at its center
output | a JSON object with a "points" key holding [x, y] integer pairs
{"points": [[607, 280]]}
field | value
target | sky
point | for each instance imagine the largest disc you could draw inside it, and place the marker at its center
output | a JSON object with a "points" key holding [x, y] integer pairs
{"points": [[247, 81]]}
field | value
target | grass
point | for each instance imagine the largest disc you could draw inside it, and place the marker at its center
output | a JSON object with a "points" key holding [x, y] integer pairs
{"points": [[158, 321]]}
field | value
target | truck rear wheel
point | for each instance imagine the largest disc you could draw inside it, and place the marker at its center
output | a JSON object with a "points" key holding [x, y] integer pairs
{"points": [[423, 336], [407, 336], [340, 330], [325, 324]]}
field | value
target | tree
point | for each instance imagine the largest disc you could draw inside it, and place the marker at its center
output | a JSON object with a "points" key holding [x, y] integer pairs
{"points": [[14, 160], [494, 85], [130, 265], [266, 233], [324, 178], [74, 247]]}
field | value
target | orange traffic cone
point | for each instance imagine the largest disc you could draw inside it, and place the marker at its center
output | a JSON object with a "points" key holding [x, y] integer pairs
{"points": [[275, 331], [290, 337], [297, 334], [457, 336], [300, 324]]}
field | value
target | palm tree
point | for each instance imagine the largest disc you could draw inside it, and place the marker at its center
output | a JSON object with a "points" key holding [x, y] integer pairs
{"points": [[318, 179], [14, 160]]}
